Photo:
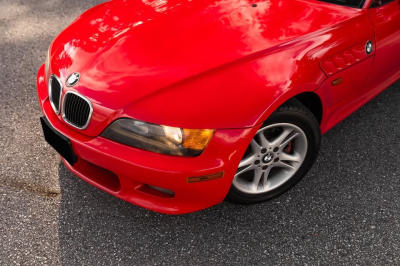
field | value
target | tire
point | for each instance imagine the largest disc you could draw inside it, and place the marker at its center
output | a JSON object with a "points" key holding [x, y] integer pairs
{"points": [[282, 174]]}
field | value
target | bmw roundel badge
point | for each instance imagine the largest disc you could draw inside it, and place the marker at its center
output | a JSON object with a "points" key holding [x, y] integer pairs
{"points": [[369, 47], [73, 79]]}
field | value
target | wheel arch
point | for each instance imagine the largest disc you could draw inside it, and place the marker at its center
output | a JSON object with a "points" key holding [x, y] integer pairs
{"points": [[309, 99], [313, 103]]}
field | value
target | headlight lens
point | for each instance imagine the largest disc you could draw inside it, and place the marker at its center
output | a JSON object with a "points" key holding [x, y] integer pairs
{"points": [[47, 64], [158, 138]]}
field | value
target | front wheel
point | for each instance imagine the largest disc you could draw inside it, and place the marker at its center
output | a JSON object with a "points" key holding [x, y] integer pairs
{"points": [[279, 156]]}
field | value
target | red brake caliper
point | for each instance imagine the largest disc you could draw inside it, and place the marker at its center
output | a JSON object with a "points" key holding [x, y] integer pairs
{"points": [[288, 148]]}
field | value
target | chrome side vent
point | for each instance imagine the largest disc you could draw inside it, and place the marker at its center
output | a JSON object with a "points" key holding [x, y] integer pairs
{"points": [[55, 92], [76, 110]]}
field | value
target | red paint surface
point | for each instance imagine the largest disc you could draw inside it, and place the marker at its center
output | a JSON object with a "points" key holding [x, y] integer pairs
{"points": [[221, 65]]}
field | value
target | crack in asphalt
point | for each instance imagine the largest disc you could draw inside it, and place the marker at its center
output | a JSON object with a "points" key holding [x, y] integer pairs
{"points": [[40, 191]]}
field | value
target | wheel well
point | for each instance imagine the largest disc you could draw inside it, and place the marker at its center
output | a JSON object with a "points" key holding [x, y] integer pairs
{"points": [[312, 102]]}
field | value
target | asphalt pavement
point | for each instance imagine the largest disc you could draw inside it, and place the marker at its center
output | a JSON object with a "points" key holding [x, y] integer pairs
{"points": [[345, 212]]}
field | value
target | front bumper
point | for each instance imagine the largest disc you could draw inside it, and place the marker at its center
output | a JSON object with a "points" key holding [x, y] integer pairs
{"points": [[129, 173]]}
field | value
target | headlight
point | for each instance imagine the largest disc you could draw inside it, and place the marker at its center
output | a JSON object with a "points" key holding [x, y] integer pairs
{"points": [[47, 64], [157, 138]]}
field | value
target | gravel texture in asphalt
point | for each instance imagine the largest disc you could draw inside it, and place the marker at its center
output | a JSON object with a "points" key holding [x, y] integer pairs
{"points": [[345, 212]]}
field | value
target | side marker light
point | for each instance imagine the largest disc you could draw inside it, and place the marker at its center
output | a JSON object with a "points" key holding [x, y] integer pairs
{"points": [[205, 178], [337, 82]]}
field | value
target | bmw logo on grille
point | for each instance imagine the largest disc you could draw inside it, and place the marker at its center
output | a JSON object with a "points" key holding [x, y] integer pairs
{"points": [[73, 79]]}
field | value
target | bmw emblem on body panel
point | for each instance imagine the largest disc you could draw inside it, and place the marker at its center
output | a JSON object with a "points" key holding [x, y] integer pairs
{"points": [[73, 79], [369, 47]]}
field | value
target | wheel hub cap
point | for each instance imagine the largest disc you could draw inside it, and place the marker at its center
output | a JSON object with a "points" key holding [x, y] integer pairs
{"points": [[268, 157]]}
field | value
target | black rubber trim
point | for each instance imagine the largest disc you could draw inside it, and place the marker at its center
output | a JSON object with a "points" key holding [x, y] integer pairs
{"points": [[58, 141]]}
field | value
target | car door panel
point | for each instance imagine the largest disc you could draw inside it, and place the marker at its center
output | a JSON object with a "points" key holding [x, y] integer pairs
{"points": [[386, 68]]}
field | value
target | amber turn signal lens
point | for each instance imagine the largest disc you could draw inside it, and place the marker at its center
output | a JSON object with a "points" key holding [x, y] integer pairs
{"points": [[337, 82], [197, 139], [205, 178]]}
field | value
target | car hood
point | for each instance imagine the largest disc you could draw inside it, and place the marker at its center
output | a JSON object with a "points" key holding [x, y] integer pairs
{"points": [[128, 50]]}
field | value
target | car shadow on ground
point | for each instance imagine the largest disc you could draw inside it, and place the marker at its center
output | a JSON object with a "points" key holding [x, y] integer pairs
{"points": [[340, 212]]}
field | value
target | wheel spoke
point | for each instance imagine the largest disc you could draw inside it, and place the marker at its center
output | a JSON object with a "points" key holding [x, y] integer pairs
{"points": [[296, 157], [288, 140], [266, 175], [256, 181], [278, 140], [281, 164], [250, 167], [264, 142], [254, 145], [249, 160]]}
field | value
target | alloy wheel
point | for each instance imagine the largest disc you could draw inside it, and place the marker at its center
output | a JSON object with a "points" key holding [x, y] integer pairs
{"points": [[274, 155]]}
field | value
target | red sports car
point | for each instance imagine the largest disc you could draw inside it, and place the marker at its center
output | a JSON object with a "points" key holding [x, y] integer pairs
{"points": [[175, 105]]}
